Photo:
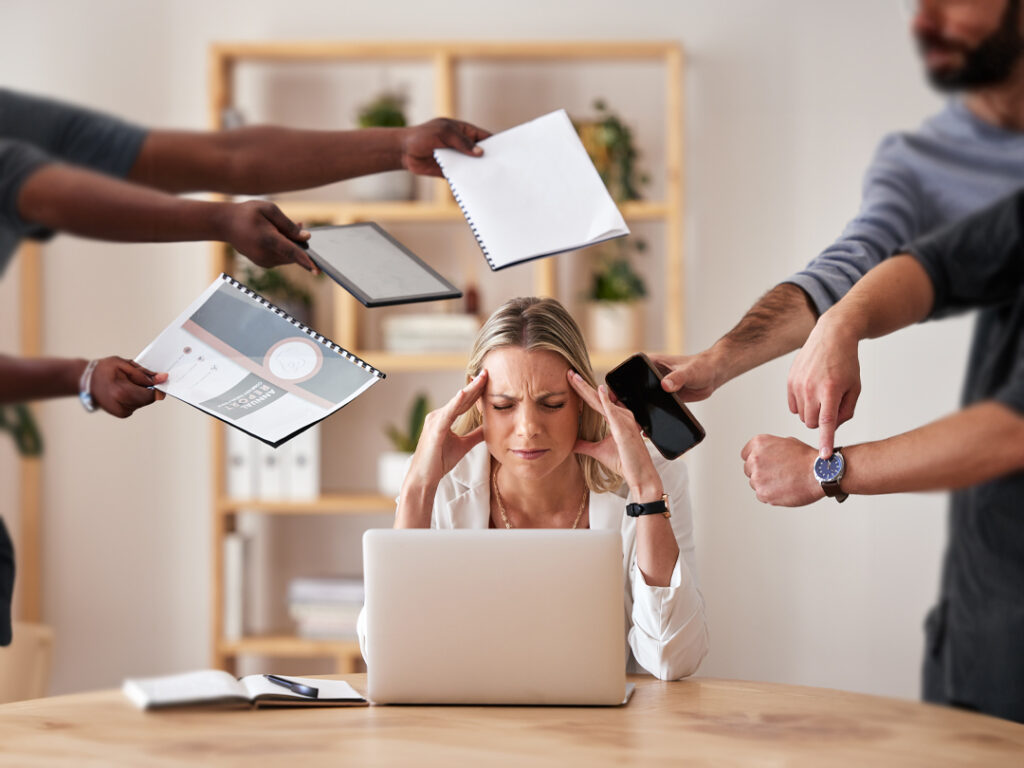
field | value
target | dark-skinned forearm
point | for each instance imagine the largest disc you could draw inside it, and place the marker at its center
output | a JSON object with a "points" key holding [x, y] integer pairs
{"points": [[263, 159], [24, 379], [92, 205]]}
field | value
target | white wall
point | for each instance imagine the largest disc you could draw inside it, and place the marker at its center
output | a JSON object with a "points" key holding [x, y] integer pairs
{"points": [[785, 103]]}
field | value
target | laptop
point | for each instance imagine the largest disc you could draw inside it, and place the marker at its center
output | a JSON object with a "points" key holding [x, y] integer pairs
{"points": [[494, 617]]}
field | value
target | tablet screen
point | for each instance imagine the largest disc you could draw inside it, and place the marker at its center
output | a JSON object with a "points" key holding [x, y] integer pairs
{"points": [[374, 267]]}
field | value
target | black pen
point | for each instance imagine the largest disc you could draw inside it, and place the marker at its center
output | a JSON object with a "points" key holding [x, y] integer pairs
{"points": [[291, 685]]}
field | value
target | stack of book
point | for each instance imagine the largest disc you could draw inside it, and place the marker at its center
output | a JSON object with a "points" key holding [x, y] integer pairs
{"points": [[325, 608], [421, 333]]}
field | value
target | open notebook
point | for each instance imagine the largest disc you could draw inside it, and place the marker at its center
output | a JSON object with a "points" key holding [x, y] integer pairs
{"points": [[216, 688], [533, 193]]}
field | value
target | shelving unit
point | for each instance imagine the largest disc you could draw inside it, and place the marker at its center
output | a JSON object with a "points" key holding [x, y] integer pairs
{"points": [[29, 584], [445, 59]]}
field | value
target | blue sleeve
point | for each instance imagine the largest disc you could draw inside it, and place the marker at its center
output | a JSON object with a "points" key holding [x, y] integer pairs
{"points": [[890, 215]]}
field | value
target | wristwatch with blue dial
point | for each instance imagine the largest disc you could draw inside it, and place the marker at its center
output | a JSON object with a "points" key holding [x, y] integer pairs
{"points": [[829, 472]]}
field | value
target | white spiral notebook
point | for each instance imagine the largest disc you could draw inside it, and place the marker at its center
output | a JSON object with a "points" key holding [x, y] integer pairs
{"points": [[534, 192], [234, 355]]}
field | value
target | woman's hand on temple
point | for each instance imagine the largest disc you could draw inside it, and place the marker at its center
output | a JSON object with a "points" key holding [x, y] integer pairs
{"points": [[623, 450], [439, 449]]}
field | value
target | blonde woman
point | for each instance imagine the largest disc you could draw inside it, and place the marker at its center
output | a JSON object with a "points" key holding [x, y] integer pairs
{"points": [[531, 442]]}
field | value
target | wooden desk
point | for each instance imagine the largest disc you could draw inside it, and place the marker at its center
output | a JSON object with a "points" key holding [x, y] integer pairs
{"points": [[701, 721]]}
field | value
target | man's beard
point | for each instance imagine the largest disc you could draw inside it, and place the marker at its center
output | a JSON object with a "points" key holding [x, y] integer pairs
{"points": [[990, 62]]}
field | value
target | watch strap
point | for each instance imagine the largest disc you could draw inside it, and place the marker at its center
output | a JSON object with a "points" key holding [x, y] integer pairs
{"points": [[659, 507], [833, 491]]}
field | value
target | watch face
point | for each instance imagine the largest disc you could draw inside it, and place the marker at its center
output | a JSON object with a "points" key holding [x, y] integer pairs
{"points": [[830, 469]]}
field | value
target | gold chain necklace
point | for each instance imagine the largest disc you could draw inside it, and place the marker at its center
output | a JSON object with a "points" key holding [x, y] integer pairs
{"points": [[504, 514]]}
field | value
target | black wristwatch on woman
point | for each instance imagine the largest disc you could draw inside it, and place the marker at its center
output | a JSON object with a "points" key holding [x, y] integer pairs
{"points": [[659, 507]]}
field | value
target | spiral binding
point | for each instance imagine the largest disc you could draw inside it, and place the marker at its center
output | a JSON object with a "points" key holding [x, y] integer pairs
{"points": [[469, 219], [304, 328]]}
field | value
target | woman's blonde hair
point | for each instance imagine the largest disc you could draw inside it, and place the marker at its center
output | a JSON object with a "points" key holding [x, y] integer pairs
{"points": [[533, 323]]}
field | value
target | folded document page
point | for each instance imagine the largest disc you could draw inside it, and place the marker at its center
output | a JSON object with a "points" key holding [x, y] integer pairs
{"points": [[237, 357]]}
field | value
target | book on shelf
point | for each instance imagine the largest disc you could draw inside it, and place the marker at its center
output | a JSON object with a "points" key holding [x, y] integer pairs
{"points": [[215, 688], [235, 356], [235, 545], [325, 608], [326, 589], [315, 621], [534, 192], [422, 333]]}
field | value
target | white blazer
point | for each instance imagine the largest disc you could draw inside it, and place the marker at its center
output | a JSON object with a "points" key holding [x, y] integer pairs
{"points": [[665, 628]]}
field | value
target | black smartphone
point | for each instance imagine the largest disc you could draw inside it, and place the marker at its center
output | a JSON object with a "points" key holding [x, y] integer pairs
{"points": [[662, 415]]}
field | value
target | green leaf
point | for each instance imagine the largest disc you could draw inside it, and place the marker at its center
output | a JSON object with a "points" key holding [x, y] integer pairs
{"points": [[18, 420]]}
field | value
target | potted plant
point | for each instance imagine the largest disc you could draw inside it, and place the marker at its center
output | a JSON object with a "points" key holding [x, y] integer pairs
{"points": [[18, 420], [387, 110], [273, 285], [615, 319], [609, 142], [391, 465]]}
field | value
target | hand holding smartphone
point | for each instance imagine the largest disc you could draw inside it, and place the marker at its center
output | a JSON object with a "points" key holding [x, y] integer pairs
{"points": [[662, 415]]}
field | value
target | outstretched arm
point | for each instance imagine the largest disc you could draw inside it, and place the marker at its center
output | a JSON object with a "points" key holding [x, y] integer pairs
{"points": [[89, 204], [265, 159], [824, 380], [973, 262], [782, 319], [972, 446], [118, 386], [776, 325]]}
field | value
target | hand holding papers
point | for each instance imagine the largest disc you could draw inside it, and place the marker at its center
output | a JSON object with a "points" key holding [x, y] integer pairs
{"points": [[239, 358], [533, 193]]}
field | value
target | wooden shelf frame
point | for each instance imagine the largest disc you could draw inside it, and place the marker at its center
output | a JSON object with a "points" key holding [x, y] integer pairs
{"points": [[445, 57]]}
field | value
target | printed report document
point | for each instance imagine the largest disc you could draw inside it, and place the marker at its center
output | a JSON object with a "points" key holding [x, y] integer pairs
{"points": [[534, 192], [237, 357]]}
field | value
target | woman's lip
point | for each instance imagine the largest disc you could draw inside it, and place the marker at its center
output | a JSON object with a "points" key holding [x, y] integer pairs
{"points": [[530, 454]]}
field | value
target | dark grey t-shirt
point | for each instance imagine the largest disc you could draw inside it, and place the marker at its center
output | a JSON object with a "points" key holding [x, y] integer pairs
{"points": [[976, 633], [956, 165], [35, 131]]}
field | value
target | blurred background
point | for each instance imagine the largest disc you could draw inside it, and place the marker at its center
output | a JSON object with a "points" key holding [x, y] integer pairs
{"points": [[783, 106]]}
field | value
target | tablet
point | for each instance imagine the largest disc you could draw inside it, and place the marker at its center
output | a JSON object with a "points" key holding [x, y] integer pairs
{"points": [[374, 267]]}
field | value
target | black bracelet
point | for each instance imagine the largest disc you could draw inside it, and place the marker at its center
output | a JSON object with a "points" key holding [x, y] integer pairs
{"points": [[659, 507]]}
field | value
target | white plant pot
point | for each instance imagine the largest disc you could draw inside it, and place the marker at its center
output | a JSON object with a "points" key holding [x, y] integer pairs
{"points": [[390, 185], [391, 466], [615, 326]]}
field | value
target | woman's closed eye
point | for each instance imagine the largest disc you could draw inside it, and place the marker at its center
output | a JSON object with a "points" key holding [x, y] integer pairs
{"points": [[548, 406]]}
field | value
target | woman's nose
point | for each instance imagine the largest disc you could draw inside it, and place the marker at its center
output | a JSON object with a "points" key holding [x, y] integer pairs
{"points": [[526, 420]]}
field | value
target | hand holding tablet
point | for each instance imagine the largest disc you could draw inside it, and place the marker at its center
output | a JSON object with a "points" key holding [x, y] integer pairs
{"points": [[374, 267]]}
